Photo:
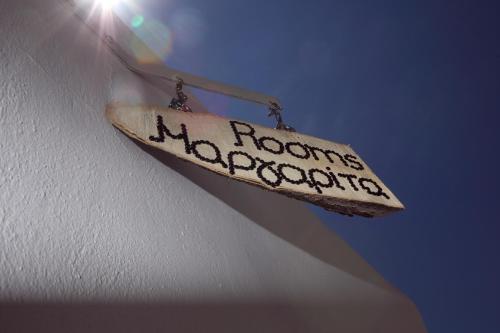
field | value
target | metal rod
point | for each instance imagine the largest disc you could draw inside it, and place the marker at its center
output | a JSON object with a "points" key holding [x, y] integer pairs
{"points": [[163, 72]]}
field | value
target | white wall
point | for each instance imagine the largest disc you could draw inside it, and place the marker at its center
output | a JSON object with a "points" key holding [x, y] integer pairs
{"points": [[99, 233]]}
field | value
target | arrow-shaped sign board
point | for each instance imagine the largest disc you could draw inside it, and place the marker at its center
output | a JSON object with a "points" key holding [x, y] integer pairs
{"points": [[324, 173]]}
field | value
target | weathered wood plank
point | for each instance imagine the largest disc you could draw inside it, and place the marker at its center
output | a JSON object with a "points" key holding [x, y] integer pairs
{"points": [[327, 174]]}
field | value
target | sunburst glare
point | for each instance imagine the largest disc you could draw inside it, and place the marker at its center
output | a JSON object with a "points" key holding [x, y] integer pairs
{"points": [[107, 4], [149, 33]]}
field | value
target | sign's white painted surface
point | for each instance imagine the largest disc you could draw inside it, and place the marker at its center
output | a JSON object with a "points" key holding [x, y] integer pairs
{"points": [[324, 173]]}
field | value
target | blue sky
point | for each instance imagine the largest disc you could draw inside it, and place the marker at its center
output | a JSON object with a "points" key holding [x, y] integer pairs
{"points": [[414, 87]]}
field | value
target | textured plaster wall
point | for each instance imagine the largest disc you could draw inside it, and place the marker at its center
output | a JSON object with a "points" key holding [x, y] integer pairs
{"points": [[87, 215]]}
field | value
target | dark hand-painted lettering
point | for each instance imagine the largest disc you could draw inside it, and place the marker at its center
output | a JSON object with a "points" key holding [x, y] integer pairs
{"points": [[378, 190], [354, 160], [162, 130], [350, 179], [233, 166], [269, 172], [238, 134]]}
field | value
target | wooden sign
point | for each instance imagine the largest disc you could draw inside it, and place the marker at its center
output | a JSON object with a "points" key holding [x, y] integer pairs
{"points": [[327, 174]]}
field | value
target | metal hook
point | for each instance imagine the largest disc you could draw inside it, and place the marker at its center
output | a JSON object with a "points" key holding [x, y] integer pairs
{"points": [[179, 103], [275, 110]]}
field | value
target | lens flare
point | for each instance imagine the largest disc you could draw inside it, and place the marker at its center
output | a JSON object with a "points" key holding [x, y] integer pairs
{"points": [[156, 36], [137, 21]]}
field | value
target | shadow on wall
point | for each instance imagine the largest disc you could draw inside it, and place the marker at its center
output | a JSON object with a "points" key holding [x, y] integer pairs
{"points": [[185, 317], [286, 218]]}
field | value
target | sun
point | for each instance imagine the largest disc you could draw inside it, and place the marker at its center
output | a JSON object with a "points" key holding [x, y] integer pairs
{"points": [[107, 4]]}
